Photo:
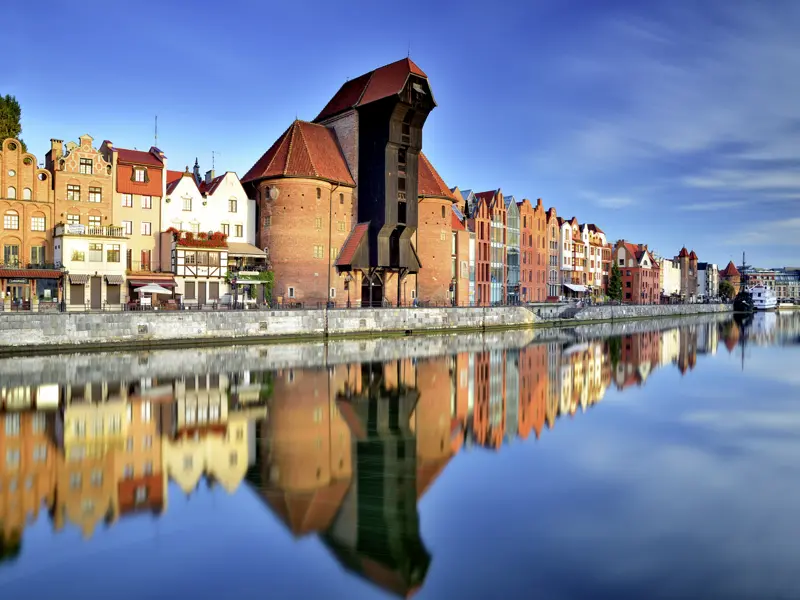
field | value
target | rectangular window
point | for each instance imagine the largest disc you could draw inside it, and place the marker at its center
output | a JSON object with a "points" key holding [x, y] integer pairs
{"points": [[318, 223], [334, 253], [74, 193], [232, 205], [333, 292], [127, 200], [11, 221], [340, 226], [94, 221], [621, 262], [187, 204], [147, 202], [12, 424], [95, 194], [189, 257], [213, 259], [86, 166], [127, 227], [319, 251], [146, 228], [291, 292], [37, 223], [95, 252], [268, 221], [195, 227], [146, 412], [138, 175], [144, 259], [113, 253], [238, 230], [188, 293], [202, 259], [78, 256], [38, 256], [73, 219], [226, 229]]}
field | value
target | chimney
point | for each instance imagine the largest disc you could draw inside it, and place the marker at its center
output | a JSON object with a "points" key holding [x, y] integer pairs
{"points": [[54, 154], [539, 203], [209, 176]]}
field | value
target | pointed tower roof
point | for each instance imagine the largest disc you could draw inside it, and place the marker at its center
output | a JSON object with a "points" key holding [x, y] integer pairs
{"points": [[380, 83], [730, 271], [303, 150], [692, 255], [683, 253]]}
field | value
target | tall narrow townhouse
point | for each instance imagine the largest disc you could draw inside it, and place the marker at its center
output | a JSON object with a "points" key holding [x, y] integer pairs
{"points": [[139, 185], [26, 207], [573, 258], [462, 238], [598, 258], [496, 210], [640, 273], [479, 221], [533, 251], [512, 250], [88, 241], [553, 227]]}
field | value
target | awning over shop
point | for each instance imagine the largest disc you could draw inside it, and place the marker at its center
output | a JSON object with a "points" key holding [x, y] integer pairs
{"points": [[115, 279], [575, 287], [30, 273], [243, 249], [139, 282], [78, 279]]}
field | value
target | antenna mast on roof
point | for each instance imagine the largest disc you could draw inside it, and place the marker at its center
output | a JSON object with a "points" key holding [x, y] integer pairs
{"points": [[409, 49], [156, 133]]}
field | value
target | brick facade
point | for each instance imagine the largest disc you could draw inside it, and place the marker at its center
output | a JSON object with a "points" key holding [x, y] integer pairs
{"points": [[434, 248], [553, 268], [640, 273], [534, 253]]}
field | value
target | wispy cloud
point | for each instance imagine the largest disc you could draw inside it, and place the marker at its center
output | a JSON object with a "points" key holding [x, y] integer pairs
{"points": [[745, 180], [783, 232], [709, 206], [612, 202]]}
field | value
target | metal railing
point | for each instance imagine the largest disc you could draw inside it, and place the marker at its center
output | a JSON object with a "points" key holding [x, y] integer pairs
{"points": [[28, 266]]}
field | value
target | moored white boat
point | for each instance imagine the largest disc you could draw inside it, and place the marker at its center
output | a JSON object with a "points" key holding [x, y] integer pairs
{"points": [[763, 298]]}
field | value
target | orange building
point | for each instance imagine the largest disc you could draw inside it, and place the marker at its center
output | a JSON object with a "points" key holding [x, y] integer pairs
{"points": [[306, 201], [533, 389], [479, 221], [731, 274], [26, 241], [533, 250], [436, 281]]}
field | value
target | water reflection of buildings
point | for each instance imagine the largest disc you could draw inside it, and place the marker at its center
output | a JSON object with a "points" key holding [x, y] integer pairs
{"points": [[93, 453], [344, 452]]}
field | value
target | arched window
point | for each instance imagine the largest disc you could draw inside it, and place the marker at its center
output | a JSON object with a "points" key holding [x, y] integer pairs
{"points": [[26, 194], [11, 220], [12, 193]]}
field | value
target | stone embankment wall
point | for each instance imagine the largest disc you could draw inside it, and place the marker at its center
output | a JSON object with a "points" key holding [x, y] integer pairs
{"points": [[86, 367], [19, 331]]}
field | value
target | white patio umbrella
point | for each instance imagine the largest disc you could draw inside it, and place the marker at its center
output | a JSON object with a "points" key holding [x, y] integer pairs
{"points": [[152, 288]]}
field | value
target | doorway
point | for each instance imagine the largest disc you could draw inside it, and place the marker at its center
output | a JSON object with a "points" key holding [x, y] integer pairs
{"points": [[201, 293], [96, 293]]}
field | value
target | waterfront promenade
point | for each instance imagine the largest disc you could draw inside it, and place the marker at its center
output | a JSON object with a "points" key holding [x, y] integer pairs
{"points": [[44, 332]]}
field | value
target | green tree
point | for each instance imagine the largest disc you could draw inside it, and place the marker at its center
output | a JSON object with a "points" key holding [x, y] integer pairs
{"points": [[615, 283], [10, 119], [614, 351], [726, 289]]}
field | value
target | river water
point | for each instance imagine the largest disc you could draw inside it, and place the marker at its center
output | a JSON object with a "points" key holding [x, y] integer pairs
{"points": [[657, 464]]}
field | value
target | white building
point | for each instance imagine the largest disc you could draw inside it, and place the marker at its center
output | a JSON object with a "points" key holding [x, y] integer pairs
{"points": [[669, 276], [94, 259]]}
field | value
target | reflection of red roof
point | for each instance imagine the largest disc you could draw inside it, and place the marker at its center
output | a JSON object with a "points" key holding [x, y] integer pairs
{"points": [[351, 244], [307, 512], [137, 157], [429, 183], [154, 499], [303, 150], [383, 82], [730, 271]]}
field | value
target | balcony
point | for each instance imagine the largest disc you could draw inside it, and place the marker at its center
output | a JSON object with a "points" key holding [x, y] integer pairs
{"points": [[105, 231], [13, 264]]}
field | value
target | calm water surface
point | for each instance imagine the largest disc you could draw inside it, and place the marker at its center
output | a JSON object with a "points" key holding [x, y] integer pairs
{"points": [[655, 465]]}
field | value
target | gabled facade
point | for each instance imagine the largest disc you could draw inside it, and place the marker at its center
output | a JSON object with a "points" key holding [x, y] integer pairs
{"points": [[26, 241], [640, 273], [533, 251], [495, 235], [479, 221], [139, 185], [513, 287], [554, 279]]}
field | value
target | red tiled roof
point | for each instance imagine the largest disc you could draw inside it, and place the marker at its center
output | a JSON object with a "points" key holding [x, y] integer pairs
{"points": [[31, 273], [173, 179], [730, 271], [429, 183], [683, 252], [351, 244], [455, 222], [137, 157], [381, 83], [595, 228], [304, 150], [209, 188]]}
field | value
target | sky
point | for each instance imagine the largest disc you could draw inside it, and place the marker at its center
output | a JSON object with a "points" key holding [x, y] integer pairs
{"points": [[663, 122]]}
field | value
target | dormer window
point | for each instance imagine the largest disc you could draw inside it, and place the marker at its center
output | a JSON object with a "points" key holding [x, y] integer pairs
{"points": [[139, 175]]}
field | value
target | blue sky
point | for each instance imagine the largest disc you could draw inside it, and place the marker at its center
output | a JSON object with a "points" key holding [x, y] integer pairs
{"points": [[668, 123]]}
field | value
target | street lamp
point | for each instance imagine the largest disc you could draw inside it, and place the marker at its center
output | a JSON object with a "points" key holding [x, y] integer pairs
{"points": [[347, 281]]}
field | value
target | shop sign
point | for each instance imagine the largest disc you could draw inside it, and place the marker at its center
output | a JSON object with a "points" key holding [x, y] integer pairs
{"points": [[17, 280]]}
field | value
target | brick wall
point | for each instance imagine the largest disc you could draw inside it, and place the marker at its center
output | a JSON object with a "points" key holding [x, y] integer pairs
{"points": [[434, 248]]}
